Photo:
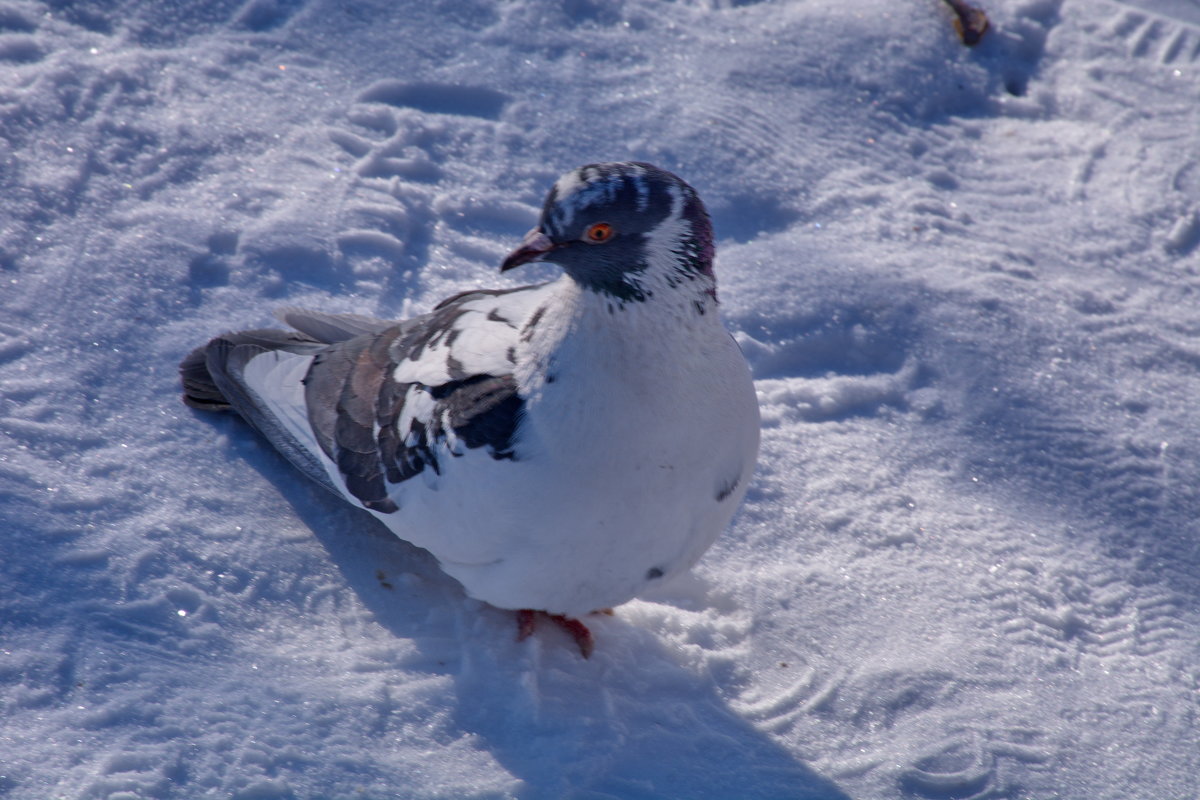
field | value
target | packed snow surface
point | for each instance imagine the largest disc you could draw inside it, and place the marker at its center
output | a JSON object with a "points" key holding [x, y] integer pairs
{"points": [[967, 282]]}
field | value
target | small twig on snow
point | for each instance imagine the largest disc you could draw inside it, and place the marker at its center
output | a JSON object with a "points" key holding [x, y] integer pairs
{"points": [[970, 22]]}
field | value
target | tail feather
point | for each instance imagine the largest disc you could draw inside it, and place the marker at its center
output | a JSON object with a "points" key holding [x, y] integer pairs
{"points": [[199, 389], [213, 380], [204, 371]]}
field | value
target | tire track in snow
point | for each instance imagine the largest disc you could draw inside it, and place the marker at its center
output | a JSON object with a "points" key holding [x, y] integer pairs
{"points": [[1074, 613], [1166, 32]]}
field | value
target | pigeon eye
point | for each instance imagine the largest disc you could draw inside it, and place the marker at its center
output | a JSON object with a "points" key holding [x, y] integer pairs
{"points": [[599, 233]]}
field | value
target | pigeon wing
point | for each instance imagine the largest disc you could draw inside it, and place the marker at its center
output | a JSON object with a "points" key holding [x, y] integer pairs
{"points": [[387, 405]]}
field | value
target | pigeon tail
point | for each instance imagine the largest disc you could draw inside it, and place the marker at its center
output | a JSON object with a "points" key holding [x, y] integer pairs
{"points": [[204, 372]]}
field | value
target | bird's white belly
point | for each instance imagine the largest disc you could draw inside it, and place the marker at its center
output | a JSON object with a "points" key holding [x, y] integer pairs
{"points": [[565, 536], [604, 499]]}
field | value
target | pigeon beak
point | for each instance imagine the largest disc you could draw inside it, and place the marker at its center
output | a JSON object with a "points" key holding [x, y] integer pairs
{"points": [[534, 246]]}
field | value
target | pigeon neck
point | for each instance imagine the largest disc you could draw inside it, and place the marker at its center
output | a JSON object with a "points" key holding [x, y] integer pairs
{"points": [[669, 298]]}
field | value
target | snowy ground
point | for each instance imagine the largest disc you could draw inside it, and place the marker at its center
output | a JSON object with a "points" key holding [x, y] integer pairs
{"points": [[967, 280]]}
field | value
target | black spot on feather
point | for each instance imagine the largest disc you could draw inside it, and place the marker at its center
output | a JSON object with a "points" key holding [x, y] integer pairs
{"points": [[495, 316], [534, 319]]}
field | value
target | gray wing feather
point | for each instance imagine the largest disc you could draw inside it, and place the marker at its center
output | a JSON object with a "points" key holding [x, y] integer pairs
{"points": [[331, 328], [342, 392]]}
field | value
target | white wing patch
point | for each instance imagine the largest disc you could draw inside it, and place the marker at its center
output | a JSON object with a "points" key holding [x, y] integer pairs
{"points": [[480, 341]]}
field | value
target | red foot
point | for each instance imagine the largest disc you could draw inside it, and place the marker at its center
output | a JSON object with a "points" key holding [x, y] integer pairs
{"points": [[527, 622]]}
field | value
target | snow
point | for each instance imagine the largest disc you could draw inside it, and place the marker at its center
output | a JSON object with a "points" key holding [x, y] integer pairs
{"points": [[966, 280]]}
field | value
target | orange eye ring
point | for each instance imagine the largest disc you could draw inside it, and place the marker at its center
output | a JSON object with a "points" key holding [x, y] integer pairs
{"points": [[599, 233]]}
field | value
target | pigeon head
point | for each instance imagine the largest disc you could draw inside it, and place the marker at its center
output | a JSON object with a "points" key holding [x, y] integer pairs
{"points": [[625, 230]]}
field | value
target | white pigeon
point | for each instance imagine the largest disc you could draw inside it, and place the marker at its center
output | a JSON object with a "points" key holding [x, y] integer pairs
{"points": [[559, 448]]}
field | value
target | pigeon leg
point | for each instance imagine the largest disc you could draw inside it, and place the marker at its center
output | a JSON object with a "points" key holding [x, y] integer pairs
{"points": [[527, 622]]}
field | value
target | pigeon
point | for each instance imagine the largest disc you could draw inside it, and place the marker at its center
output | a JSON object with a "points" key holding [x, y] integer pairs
{"points": [[560, 448]]}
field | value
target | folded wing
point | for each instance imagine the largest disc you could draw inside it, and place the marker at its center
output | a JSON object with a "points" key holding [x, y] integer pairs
{"points": [[362, 405]]}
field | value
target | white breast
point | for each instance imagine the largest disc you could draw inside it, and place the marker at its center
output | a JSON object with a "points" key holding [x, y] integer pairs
{"points": [[640, 434]]}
